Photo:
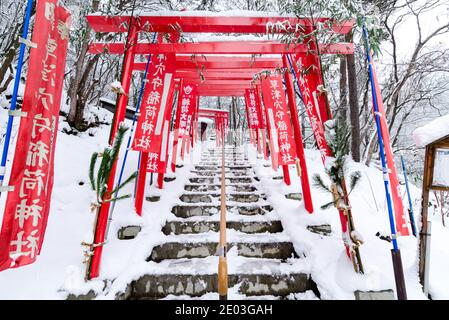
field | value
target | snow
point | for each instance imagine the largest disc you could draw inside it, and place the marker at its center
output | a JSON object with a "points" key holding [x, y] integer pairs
{"points": [[117, 87], [431, 132], [59, 270]]}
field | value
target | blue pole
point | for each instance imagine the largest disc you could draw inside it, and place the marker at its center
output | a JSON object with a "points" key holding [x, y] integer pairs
{"points": [[381, 144], [135, 117], [395, 253], [410, 203], [26, 25], [296, 78]]}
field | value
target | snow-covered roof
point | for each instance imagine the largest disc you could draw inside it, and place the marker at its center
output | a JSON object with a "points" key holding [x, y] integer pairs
{"points": [[213, 110], [431, 132], [205, 120]]}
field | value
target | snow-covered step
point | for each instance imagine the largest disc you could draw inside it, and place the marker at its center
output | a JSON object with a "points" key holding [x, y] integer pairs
{"points": [[234, 172], [178, 227], [227, 167], [195, 285], [218, 179], [185, 211], [228, 164], [209, 197], [215, 187], [181, 250]]}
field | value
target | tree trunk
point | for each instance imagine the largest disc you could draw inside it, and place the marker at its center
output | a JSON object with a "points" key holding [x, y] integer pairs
{"points": [[353, 104], [77, 82], [343, 89]]}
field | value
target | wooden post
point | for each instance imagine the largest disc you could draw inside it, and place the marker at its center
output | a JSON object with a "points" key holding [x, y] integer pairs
{"points": [[222, 262], [424, 234]]}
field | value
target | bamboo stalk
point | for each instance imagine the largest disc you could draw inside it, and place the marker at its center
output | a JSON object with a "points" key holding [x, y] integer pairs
{"points": [[222, 262]]}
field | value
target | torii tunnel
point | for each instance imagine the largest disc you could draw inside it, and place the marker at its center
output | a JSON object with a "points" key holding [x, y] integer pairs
{"points": [[227, 68]]}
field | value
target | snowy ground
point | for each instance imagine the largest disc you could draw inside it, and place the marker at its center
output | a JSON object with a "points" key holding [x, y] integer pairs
{"points": [[60, 267]]}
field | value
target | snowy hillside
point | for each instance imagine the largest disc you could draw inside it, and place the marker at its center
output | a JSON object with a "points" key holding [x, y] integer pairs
{"points": [[60, 270]]}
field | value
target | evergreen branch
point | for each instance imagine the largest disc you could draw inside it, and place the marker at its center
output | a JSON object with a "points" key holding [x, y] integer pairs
{"points": [[102, 173], [328, 205], [118, 198], [93, 161], [354, 180], [319, 183]]}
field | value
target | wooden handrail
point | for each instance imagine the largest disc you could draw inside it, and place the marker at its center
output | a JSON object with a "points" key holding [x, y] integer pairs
{"points": [[222, 262]]}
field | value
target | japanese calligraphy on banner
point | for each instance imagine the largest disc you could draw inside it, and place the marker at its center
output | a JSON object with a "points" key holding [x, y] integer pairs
{"points": [[278, 119], [187, 105], [252, 105], [27, 206], [159, 88], [261, 133], [313, 100], [186, 108]]}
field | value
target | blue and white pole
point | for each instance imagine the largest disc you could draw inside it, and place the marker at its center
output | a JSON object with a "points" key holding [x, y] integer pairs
{"points": [[410, 203], [396, 254], [24, 42]]}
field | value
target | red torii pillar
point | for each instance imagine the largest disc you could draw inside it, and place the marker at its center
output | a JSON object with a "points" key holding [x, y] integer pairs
{"points": [[102, 219]]}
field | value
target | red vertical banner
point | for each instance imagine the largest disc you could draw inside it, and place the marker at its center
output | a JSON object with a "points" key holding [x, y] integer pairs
{"points": [[187, 104], [158, 92], [27, 206], [309, 84], [262, 123], [401, 220], [251, 137], [278, 120], [252, 111], [157, 161]]}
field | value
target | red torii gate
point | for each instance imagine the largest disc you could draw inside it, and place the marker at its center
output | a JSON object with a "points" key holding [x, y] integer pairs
{"points": [[235, 72], [217, 115]]}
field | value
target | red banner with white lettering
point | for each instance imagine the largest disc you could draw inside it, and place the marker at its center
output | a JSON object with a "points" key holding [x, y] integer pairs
{"points": [[314, 100], [27, 206], [251, 102], [278, 121], [158, 92], [157, 162], [187, 105], [252, 113]]}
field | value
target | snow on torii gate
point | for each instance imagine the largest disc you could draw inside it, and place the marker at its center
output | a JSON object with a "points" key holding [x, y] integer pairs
{"points": [[236, 81]]}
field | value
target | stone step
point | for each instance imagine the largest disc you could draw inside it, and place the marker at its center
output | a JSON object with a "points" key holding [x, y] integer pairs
{"points": [[183, 250], [199, 167], [212, 180], [185, 211], [208, 174], [228, 164], [156, 286], [208, 198], [216, 187], [185, 227]]}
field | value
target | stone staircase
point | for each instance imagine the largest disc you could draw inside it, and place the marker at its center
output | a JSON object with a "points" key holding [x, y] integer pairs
{"points": [[261, 259]]}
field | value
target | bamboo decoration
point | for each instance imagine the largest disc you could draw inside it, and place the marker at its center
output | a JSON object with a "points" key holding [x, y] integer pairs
{"points": [[222, 262]]}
